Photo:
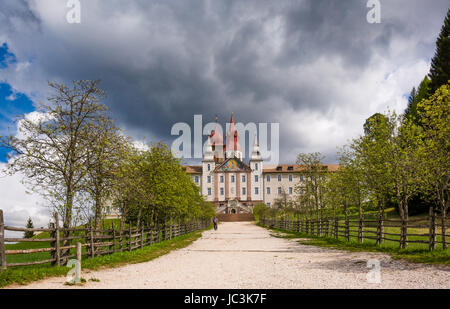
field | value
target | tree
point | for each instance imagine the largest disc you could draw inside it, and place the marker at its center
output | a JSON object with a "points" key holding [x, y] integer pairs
{"points": [[29, 234], [404, 163], [350, 178], [52, 149], [440, 64], [314, 172], [423, 92], [435, 116], [103, 158], [373, 150], [260, 210]]}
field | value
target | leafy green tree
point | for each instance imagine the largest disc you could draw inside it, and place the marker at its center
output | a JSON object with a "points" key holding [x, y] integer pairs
{"points": [[29, 234], [440, 64], [435, 116], [260, 210], [313, 186], [373, 150], [422, 92], [404, 163], [52, 148]]}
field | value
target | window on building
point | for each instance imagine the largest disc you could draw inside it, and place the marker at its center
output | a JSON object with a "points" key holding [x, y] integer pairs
{"points": [[221, 178], [244, 191], [279, 168], [256, 178], [209, 167], [279, 177], [268, 204], [268, 190], [301, 177], [196, 179], [256, 190], [209, 179], [290, 168], [290, 190], [232, 178], [209, 191], [222, 191], [243, 178], [279, 190], [268, 178], [290, 178], [256, 166]]}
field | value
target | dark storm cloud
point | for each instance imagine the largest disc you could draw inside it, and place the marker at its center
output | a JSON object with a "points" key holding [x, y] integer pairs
{"points": [[161, 62]]}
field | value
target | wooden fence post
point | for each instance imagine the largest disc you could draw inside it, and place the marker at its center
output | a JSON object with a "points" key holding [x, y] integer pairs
{"points": [[79, 252], [360, 230], [444, 229], [379, 229], [142, 237], [113, 234], [2, 242], [432, 231], [404, 234], [336, 228], [91, 232], [347, 227], [57, 236], [129, 237], [121, 237]]}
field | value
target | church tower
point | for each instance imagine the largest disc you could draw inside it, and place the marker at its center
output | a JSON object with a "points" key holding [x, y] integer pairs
{"points": [[232, 148], [256, 165], [208, 166]]}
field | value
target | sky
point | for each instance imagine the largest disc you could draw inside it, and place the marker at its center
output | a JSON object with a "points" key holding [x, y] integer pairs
{"points": [[317, 68]]}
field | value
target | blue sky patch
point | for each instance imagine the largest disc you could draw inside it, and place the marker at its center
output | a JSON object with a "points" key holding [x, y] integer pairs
{"points": [[6, 57], [12, 105]]}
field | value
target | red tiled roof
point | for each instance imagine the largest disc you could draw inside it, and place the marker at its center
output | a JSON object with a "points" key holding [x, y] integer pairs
{"points": [[193, 169]]}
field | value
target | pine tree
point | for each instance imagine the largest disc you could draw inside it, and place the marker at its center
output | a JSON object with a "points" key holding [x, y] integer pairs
{"points": [[411, 99], [440, 64], [422, 92], [29, 234]]}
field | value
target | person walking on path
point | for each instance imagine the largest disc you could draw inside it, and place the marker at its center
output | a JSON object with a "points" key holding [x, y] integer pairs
{"points": [[215, 221]]}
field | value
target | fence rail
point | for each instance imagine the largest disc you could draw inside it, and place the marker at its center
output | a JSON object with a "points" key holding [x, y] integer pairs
{"points": [[379, 230], [59, 247]]}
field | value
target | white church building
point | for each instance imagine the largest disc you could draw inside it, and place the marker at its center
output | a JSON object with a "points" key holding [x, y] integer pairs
{"points": [[235, 186]]}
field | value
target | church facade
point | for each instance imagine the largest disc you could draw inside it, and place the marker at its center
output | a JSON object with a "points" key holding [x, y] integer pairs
{"points": [[235, 186]]}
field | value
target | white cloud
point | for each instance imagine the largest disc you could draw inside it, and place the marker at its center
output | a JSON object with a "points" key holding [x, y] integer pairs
{"points": [[18, 204]]}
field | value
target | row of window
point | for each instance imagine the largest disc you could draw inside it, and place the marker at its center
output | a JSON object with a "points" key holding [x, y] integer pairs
{"points": [[222, 191], [244, 179], [244, 191], [291, 177], [291, 190]]}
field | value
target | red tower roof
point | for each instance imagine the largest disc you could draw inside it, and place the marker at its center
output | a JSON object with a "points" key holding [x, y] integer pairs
{"points": [[233, 136], [216, 137]]}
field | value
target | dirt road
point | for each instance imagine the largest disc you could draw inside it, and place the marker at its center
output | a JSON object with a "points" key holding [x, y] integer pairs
{"points": [[243, 255]]}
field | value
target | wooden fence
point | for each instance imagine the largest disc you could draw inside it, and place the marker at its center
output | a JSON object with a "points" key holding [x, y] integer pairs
{"points": [[61, 244], [378, 230]]}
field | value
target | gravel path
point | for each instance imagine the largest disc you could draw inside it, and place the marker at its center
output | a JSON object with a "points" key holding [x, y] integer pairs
{"points": [[243, 255]]}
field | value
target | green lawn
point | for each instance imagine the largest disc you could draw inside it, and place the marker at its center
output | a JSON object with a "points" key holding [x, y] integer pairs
{"points": [[26, 274]]}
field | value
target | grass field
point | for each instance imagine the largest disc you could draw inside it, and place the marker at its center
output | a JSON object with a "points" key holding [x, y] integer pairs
{"points": [[26, 274]]}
